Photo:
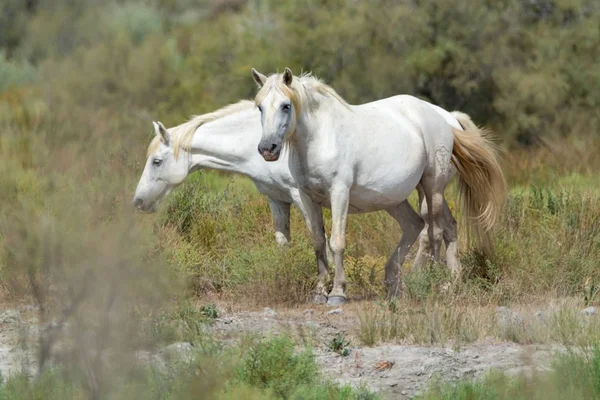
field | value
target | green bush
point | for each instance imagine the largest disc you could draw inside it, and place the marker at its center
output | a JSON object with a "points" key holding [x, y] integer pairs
{"points": [[14, 74]]}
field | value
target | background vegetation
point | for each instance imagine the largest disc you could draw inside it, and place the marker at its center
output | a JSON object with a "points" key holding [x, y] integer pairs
{"points": [[80, 81]]}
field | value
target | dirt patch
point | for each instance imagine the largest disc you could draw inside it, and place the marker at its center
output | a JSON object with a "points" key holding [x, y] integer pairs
{"points": [[16, 352], [399, 371], [392, 370]]}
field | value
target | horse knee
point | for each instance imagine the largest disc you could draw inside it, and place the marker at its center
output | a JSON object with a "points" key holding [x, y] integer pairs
{"points": [[438, 233], [319, 243], [424, 235], [338, 244]]}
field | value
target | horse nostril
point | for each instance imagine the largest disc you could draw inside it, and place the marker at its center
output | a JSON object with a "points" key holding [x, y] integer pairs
{"points": [[265, 149], [137, 202]]}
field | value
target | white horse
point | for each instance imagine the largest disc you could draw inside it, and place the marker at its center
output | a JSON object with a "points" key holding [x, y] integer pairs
{"points": [[371, 157], [226, 140]]}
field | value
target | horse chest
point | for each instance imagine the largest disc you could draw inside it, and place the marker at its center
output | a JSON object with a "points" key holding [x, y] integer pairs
{"points": [[316, 187]]}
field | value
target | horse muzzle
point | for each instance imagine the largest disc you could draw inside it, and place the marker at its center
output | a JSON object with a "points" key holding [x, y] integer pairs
{"points": [[145, 207], [270, 152]]}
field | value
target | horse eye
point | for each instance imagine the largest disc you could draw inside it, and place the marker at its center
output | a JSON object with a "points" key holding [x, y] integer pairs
{"points": [[156, 162], [286, 107]]}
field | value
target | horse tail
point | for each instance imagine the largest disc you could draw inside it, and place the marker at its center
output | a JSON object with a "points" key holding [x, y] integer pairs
{"points": [[481, 183], [465, 121]]}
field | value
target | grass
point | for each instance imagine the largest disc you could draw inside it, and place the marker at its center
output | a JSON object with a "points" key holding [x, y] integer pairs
{"points": [[444, 322], [255, 369], [575, 375]]}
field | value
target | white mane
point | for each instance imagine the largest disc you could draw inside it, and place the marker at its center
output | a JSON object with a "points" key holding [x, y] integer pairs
{"points": [[182, 135]]}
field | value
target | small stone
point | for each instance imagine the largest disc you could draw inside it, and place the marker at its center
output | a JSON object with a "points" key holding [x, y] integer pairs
{"points": [[269, 313], [589, 311], [310, 311], [337, 311], [404, 393], [312, 325], [227, 320], [179, 350], [9, 316]]}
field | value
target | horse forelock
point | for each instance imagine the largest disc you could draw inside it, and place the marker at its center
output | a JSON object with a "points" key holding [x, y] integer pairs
{"points": [[276, 83], [301, 92], [153, 147]]}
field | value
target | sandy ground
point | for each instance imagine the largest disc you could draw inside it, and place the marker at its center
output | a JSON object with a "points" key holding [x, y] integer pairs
{"points": [[393, 370]]}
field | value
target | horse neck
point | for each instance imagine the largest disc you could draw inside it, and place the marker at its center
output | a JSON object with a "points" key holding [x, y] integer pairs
{"points": [[312, 127], [227, 144]]}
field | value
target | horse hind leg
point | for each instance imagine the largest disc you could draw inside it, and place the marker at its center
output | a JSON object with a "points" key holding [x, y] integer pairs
{"points": [[451, 241], [433, 188], [424, 251], [450, 237], [411, 224]]}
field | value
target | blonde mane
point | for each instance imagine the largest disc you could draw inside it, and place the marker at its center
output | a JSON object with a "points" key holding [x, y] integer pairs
{"points": [[301, 92], [181, 135]]}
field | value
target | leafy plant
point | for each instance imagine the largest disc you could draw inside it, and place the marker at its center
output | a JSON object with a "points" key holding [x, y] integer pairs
{"points": [[339, 345], [209, 311], [590, 292]]}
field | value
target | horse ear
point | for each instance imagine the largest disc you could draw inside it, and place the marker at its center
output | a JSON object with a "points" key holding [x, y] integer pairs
{"points": [[161, 131], [259, 78], [288, 76]]}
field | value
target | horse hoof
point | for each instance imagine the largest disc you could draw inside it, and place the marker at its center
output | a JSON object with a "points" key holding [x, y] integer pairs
{"points": [[320, 299], [336, 300]]}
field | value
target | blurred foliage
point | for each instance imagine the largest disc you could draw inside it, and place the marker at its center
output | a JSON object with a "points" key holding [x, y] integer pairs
{"points": [[267, 369], [526, 68]]}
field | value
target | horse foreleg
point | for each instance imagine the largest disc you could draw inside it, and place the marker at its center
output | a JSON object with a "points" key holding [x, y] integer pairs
{"points": [[339, 212], [281, 220], [313, 217]]}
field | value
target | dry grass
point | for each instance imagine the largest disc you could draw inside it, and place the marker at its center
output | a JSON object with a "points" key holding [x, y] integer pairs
{"points": [[443, 322]]}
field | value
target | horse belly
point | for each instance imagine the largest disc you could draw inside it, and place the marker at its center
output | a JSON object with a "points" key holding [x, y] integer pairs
{"points": [[388, 191], [391, 174], [274, 191]]}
